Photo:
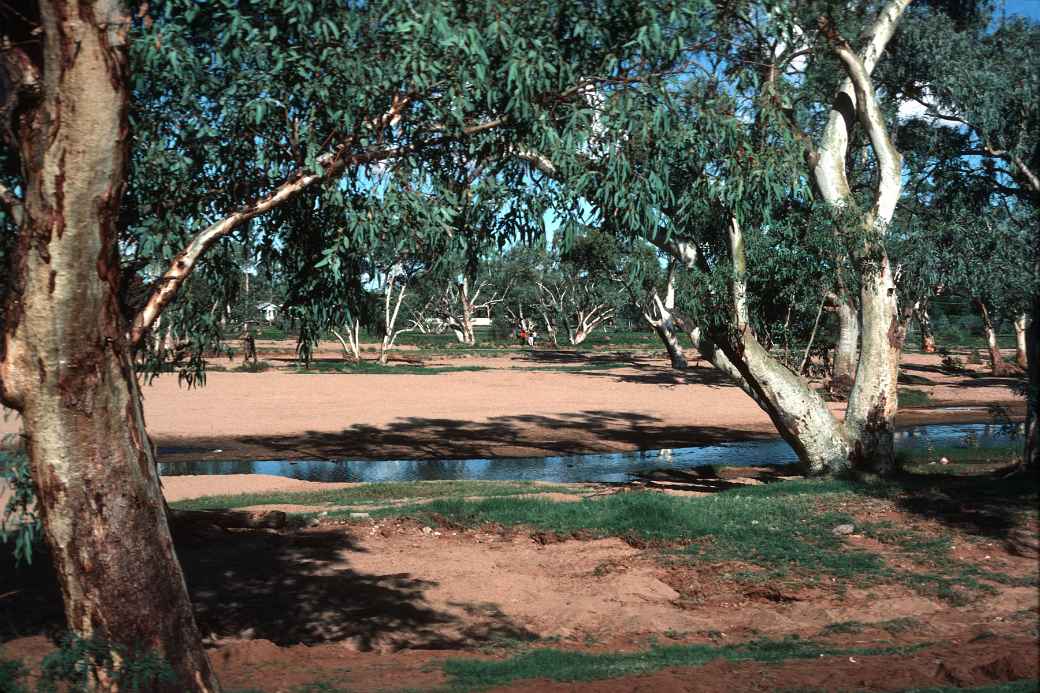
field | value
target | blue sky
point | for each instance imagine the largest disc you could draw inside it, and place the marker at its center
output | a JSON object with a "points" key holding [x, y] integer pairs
{"points": [[1028, 8]]}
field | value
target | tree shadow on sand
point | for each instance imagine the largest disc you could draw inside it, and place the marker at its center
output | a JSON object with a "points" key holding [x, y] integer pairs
{"points": [[571, 434], [287, 587]]}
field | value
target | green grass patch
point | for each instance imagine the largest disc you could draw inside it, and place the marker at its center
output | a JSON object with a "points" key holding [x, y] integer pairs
{"points": [[562, 665], [367, 494], [961, 460], [775, 526], [913, 398], [844, 628]]}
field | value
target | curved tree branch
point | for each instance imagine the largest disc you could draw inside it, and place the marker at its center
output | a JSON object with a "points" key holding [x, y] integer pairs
{"points": [[829, 161], [332, 164], [890, 161]]}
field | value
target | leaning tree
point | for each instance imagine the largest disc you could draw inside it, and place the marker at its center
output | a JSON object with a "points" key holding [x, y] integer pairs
{"points": [[158, 134]]}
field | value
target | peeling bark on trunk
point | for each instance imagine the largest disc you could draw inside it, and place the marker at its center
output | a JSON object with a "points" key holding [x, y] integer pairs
{"points": [[1021, 341], [874, 400], [798, 412], [67, 361]]}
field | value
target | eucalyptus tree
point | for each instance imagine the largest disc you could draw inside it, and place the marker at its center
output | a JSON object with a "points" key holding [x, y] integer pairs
{"points": [[722, 165], [182, 124]]}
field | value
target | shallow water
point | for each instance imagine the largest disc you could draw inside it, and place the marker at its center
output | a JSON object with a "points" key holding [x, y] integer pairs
{"points": [[601, 467]]}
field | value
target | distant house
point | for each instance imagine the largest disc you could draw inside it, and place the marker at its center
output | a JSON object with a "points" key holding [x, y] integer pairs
{"points": [[481, 322], [270, 310]]}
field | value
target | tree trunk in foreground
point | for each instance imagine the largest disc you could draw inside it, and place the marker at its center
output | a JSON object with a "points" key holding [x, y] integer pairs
{"points": [[1021, 341], [67, 362], [1031, 456], [798, 412], [874, 400]]}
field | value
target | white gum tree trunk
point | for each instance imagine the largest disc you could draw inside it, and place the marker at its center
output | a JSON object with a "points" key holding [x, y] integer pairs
{"points": [[352, 343], [1021, 341], [661, 317], [873, 401], [66, 361], [798, 412], [390, 331], [996, 359]]}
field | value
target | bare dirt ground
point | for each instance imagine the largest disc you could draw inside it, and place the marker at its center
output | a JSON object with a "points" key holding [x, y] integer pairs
{"points": [[605, 402], [380, 604]]}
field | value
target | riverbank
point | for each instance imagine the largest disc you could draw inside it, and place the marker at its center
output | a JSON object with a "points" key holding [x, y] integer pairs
{"points": [[515, 405]]}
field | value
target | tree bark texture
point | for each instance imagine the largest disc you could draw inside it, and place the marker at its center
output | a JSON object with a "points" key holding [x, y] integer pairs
{"points": [[874, 399], [67, 360], [1031, 453]]}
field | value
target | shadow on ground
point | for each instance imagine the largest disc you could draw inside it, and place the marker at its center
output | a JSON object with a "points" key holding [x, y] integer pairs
{"points": [[293, 587], [572, 434]]}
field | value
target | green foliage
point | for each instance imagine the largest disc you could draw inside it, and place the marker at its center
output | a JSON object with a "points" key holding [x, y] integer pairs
{"points": [[11, 675], [778, 529], [564, 665], [368, 494], [19, 522], [75, 665]]}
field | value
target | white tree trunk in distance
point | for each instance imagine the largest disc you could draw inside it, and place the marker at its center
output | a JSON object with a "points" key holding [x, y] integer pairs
{"points": [[996, 359], [924, 323], [351, 345], [1021, 348], [661, 318], [390, 331]]}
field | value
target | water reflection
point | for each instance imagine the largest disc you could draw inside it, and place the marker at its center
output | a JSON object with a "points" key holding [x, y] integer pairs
{"points": [[604, 467]]}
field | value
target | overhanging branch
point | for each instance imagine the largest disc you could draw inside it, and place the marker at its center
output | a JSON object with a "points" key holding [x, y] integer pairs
{"points": [[331, 165]]}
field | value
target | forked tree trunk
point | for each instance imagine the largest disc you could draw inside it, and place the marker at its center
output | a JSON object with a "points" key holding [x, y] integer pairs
{"points": [[352, 343], [661, 318], [67, 361], [798, 412], [996, 359], [1021, 341]]}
